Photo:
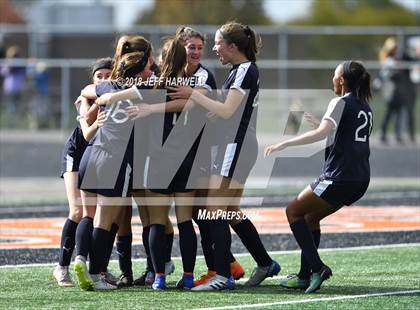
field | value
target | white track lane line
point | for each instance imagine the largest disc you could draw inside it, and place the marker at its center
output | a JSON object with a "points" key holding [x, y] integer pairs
{"points": [[304, 301]]}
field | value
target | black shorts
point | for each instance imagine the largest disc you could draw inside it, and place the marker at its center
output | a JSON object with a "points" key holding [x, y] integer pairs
{"points": [[339, 193], [229, 164], [73, 151], [98, 162]]}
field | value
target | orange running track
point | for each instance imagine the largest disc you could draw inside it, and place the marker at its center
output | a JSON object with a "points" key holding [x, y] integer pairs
{"points": [[46, 232]]}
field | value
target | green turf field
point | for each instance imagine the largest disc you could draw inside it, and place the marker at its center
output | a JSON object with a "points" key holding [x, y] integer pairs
{"points": [[356, 272]]}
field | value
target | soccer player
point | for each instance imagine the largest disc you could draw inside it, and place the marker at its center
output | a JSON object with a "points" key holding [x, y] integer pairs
{"points": [[347, 124], [106, 152], [72, 154], [237, 45]]}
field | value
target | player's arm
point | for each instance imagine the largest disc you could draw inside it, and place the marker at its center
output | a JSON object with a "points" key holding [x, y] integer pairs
{"points": [[127, 94], [90, 122], [89, 92], [222, 109], [309, 137]]}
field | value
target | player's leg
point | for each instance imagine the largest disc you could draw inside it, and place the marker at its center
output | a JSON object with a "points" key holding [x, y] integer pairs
{"points": [[246, 231], [307, 202], [124, 244], [187, 237], [68, 234], [158, 209]]}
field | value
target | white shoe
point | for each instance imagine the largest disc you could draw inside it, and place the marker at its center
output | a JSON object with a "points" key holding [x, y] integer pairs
{"points": [[62, 276], [216, 283], [169, 268], [100, 284], [82, 275], [109, 277]]}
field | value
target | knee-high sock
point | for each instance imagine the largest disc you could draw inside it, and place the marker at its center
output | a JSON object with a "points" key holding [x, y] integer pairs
{"points": [[100, 237], [168, 248], [112, 235], [222, 239], [187, 245], [305, 269], [303, 236], [145, 236], [206, 243], [68, 241], [157, 244], [84, 236], [249, 236], [124, 254]]}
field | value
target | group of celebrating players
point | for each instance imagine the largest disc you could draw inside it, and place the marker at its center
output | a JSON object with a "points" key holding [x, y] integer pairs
{"points": [[188, 145]]}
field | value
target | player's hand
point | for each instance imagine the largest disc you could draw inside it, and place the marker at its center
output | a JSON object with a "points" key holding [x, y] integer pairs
{"points": [[139, 110], [312, 120], [180, 92], [101, 118], [105, 99], [274, 148]]}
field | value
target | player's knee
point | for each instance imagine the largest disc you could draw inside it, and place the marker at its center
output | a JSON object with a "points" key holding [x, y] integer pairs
{"points": [[76, 214], [312, 221]]}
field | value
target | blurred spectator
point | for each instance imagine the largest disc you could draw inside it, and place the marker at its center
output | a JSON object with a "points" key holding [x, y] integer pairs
{"points": [[398, 91], [13, 86], [40, 103]]}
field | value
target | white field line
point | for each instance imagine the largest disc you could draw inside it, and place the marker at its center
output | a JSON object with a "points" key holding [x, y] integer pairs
{"points": [[360, 248], [304, 301]]}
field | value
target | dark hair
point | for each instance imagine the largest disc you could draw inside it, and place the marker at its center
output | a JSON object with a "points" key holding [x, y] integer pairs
{"points": [[129, 65], [186, 33], [102, 63], [247, 41], [129, 44], [358, 80], [174, 57]]}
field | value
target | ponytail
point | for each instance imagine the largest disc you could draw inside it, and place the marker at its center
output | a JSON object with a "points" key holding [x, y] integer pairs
{"points": [[245, 38], [358, 80]]}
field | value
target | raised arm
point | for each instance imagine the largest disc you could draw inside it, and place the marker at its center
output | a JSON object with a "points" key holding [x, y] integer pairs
{"points": [[309, 137]]}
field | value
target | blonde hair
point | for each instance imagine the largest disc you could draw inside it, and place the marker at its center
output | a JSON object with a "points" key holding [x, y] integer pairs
{"points": [[389, 46]]}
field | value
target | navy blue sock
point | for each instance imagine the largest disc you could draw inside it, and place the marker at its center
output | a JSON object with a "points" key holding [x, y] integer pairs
{"points": [[303, 236], [222, 239], [100, 237], [157, 244], [305, 269], [250, 238], [84, 236], [145, 236], [187, 245], [168, 250], [206, 243], [110, 246], [68, 241], [124, 254]]}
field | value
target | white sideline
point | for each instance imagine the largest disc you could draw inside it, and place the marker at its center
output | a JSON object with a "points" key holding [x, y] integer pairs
{"points": [[304, 301], [359, 248]]}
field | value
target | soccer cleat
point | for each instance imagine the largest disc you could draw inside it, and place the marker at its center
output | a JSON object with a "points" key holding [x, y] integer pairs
{"points": [[261, 273], [62, 276], [186, 283], [160, 282], [204, 278], [109, 277], [169, 268], [236, 270], [100, 284], [147, 278], [317, 278], [83, 278], [216, 283], [294, 282], [125, 281]]}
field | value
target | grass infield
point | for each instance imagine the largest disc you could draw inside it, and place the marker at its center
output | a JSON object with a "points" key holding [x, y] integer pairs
{"points": [[355, 272]]}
